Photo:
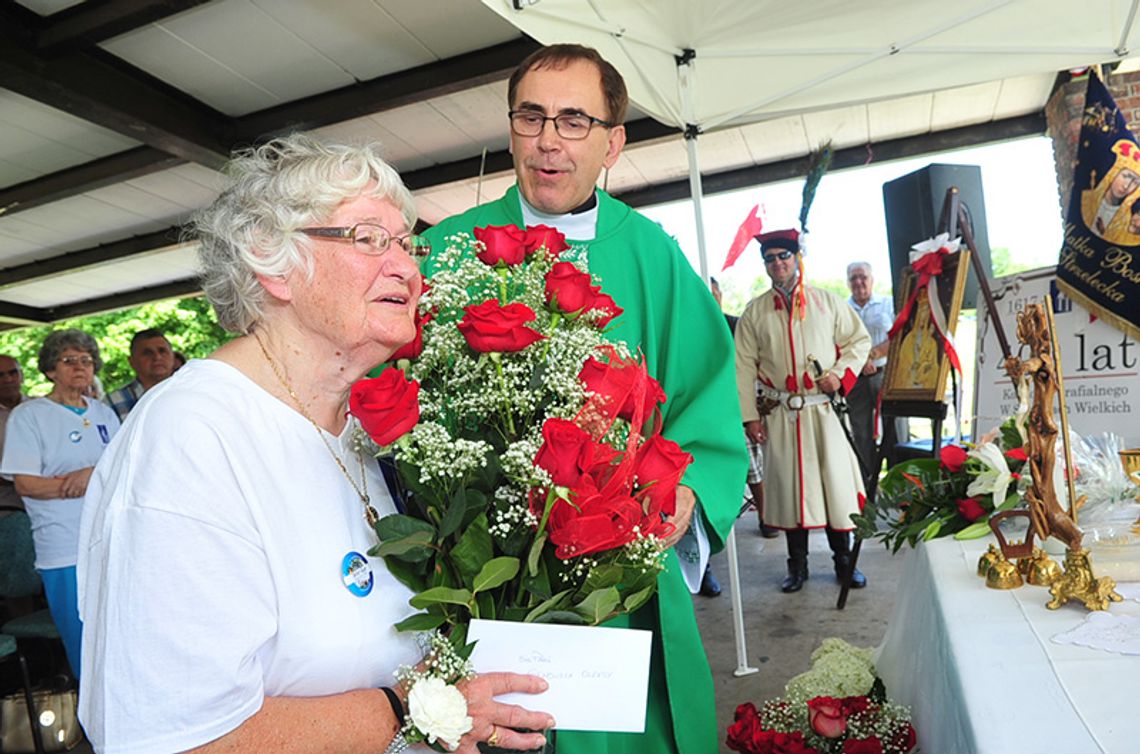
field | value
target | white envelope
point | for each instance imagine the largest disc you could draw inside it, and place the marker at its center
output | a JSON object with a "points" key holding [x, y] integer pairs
{"points": [[598, 677]]}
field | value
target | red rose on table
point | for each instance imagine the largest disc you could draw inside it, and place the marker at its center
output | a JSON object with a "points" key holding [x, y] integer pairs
{"points": [[620, 383], [869, 745], [569, 290], [953, 457], [1016, 454], [566, 451], [387, 406], [543, 236], [971, 509], [659, 467], [490, 326], [416, 347], [825, 715], [503, 244]]}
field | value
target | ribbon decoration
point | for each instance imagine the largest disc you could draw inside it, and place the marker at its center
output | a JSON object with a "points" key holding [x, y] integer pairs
{"points": [[927, 258]]}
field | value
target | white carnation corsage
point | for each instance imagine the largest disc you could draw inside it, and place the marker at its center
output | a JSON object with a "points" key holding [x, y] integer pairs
{"points": [[437, 710]]}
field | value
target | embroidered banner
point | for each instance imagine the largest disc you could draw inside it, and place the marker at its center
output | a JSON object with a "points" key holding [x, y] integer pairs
{"points": [[1100, 257]]}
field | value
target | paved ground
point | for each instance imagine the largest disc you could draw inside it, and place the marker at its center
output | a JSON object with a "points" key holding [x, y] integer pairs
{"points": [[782, 630]]}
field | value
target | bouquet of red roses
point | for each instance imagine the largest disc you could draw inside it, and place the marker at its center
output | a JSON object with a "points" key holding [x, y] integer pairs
{"points": [[819, 715], [537, 483], [956, 493]]}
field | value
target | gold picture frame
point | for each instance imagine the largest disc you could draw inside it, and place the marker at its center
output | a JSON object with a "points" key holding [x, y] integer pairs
{"points": [[917, 364]]}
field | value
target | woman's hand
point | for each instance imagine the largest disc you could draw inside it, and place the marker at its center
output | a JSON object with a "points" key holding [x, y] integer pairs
{"points": [[75, 482], [496, 722]]}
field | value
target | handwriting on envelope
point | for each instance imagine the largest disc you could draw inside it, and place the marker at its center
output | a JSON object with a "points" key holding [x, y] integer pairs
{"points": [[598, 676]]}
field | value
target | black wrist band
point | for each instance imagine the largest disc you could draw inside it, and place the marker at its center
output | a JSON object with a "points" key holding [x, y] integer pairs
{"points": [[397, 705]]}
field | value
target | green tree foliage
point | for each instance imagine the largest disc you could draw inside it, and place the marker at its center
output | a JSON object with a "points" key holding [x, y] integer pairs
{"points": [[189, 324]]}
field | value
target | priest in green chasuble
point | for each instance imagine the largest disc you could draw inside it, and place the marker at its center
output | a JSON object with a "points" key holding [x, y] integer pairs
{"points": [[567, 105]]}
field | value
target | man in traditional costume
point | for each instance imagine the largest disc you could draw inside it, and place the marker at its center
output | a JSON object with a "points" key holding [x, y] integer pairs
{"points": [[802, 344], [567, 105]]}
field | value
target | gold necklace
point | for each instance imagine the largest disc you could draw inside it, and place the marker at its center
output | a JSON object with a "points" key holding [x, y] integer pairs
{"points": [[370, 513]]}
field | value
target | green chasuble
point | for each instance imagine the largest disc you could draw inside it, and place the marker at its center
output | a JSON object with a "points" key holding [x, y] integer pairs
{"points": [[671, 317]]}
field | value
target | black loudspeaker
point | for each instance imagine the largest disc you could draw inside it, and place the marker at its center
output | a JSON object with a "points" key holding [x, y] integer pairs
{"points": [[913, 205]]}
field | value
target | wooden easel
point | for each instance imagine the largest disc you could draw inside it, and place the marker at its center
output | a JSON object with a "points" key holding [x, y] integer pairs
{"points": [[953, 220]]}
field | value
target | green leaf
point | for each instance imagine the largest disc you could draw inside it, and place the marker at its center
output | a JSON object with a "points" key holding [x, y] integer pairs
{"points": [[495, 573], [398, 526], [488, 475], [404, 546], [598, 606], [562, 617], [484, 606], [639, 598], [453, 516], [421, 622], [603, 577], [555, 602], [441, 595], [974, 530], [535, 554], [473, 550], [413, 575], [931, 530]]}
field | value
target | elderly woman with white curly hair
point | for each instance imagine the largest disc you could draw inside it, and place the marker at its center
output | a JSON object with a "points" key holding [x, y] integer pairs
{"points": [[222, 552]]}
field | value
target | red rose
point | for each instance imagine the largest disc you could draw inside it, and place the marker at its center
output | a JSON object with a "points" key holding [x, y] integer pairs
{"points": [[659, 467], [416, 347], [744, 730], [544, 237], [871, 745], [568, 289], [906, 739], [503, 244], [953, 457], [491, 327], [623, 384], [825, 715], [605, 304], [565, 452], [971, 509], [387, 406], [1016, 454], [855, 704], [596, 521]]}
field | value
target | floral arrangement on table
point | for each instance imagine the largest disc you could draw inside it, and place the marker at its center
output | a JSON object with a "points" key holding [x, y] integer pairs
{"points": [[925, 498], [538, 485], [837, 707]]}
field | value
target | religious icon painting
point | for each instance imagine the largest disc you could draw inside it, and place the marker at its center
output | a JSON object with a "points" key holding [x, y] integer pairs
{"points": [[921, 347]]}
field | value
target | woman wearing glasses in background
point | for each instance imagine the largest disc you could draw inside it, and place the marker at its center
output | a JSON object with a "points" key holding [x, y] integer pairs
{"points": [[50, 450], [228, 598]]}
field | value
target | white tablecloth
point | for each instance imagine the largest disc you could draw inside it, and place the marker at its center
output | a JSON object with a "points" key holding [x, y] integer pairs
{"points": [[981, 674]]}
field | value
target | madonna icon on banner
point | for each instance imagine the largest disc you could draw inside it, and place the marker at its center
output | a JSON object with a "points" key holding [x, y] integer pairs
{"points": [[356, 573], [1100, 256]]}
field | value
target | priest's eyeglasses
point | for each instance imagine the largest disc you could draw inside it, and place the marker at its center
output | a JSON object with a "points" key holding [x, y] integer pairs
{"points": [[572, 126], [373, 239], [781, 255]]}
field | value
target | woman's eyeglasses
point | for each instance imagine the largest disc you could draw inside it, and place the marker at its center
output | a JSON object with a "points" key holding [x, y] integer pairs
{"points": [[77, 361], [781, 255], [373, 239]]}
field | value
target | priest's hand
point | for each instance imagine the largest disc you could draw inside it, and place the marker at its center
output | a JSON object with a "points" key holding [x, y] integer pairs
{"points": [[686, 501]]}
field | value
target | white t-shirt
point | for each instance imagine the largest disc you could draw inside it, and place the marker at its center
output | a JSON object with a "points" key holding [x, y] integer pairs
{"points": [[210, 568], [46, 439]]}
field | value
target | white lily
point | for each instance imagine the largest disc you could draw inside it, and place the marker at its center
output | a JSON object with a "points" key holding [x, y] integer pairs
{"points": [[995, 476], [934, 244]]}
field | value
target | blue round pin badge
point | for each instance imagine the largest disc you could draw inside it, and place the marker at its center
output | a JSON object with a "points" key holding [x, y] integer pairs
{"points": [[356, 574]]}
